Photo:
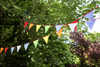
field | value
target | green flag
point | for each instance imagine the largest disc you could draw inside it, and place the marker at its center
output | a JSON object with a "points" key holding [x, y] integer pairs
{"points": [[35, 43], [46, 28]]}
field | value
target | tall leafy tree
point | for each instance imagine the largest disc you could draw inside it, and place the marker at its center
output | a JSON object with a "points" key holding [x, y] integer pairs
{"points": [[42, 12]]}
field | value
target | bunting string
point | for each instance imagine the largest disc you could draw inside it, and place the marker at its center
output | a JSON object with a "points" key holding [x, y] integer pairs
{"points": [[65, 24], [43, 25], [59, 28], [68, 23], [40, 38], [87, 12]]}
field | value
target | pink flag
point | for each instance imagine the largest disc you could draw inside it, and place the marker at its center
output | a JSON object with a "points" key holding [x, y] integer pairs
{"points": [[25, 24]]}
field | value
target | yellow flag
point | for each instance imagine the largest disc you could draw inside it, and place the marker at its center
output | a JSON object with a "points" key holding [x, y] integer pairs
{"points": [[46, 38], [59, 33], [30, 25], [37, 27], [1, 49]]}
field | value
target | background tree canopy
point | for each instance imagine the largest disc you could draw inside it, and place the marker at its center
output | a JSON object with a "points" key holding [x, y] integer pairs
{"points": [[42, 12]]}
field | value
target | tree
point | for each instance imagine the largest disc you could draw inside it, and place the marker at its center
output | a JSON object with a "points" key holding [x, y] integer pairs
{"points": [[38, 12], [56, 51], [84, 49], [42, 12]]}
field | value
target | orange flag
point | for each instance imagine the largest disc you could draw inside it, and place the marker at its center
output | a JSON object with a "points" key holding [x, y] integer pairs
{"points": [[59, 33], [30, 25], [1, 49]]}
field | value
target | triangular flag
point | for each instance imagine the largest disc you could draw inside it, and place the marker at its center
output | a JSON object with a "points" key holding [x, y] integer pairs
{"points": [[37, 27], [96, 26], [59, 33], [46, 28], [25, 46], [12, 49], [18, 47], [5, 49], [58, 28], [72, 26], [30, 25], [90, 23], [89, 15], [1, 49], [25, 24], [75, 26], [46, 38], [35, 43]]}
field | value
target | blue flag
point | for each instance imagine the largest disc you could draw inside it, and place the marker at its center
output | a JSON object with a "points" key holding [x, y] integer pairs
{"points": [[58, 28], [12, 49], [90, 23], [25, 46], [89, 15]]}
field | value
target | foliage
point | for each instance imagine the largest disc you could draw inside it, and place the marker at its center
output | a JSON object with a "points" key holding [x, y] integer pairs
{"points": [[43, 12], [83, 48], [54, 53]]}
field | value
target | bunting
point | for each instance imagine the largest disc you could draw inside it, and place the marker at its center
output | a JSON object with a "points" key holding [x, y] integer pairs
{"points": [[12, 49], [5, 49], [46, 39], [46, 28], [89, 15], [25, 46], [90, 24], [58, 28], [1, 49], [37, 27], [72, 26], [18, 47], [30, 25], [59, 33], [96, 26], [35, 43], [25, 24]]}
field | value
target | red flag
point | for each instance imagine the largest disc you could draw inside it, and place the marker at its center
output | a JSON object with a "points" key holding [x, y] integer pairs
{"points": [[75, 26], [75, 21], [25, 24], [5, 49]]}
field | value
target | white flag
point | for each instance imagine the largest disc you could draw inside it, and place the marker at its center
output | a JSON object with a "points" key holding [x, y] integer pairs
{"points": [[18, 47], [58, 27], [72, 26]]}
